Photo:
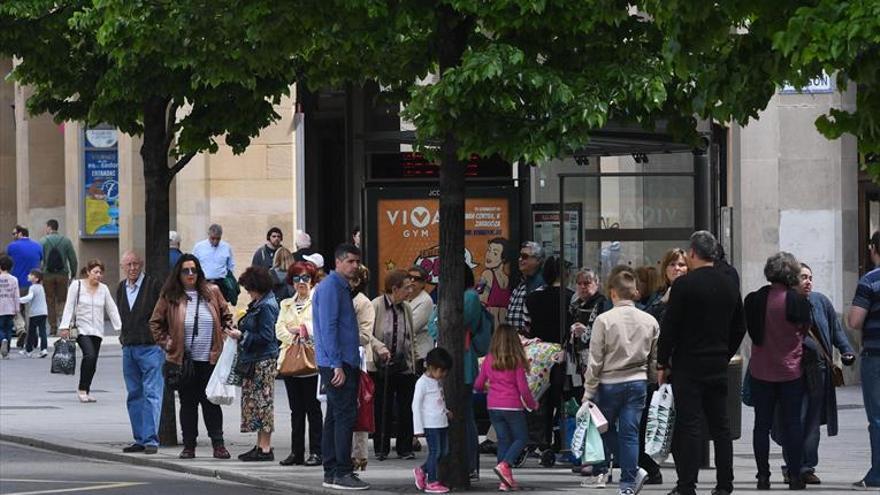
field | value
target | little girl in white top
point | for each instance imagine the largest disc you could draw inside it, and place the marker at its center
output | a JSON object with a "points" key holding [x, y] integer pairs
{"points": [[430, 418]]}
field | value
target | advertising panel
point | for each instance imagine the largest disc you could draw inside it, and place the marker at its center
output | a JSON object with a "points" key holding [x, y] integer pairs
{"points": [[100, 184]]}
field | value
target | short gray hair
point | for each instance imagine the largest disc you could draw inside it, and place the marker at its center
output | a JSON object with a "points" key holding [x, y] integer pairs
{"points": [[704, 245], [588, 274], [216, 230], [173, 239], [536, 249], [783, 268]]}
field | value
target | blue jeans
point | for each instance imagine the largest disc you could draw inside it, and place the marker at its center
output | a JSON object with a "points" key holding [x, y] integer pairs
{"points": [[339, 421], [7, 327], [622, 405], [788, 396], [512, 431], [438, 447], [871, 394], [142, 371]]}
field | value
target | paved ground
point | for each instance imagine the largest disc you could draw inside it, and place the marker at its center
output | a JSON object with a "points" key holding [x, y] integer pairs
{"points": [[24, 470], [41, 409]]}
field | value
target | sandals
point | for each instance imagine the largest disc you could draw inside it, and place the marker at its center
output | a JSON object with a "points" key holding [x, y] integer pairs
{"points": [[85, 397]]}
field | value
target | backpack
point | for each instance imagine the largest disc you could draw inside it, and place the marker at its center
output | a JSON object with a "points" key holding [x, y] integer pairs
{"points": [[480, 337], [54, 260]]}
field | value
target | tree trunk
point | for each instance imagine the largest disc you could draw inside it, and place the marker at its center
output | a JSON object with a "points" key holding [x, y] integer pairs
{"points": [[455, 471], [157, 179]]}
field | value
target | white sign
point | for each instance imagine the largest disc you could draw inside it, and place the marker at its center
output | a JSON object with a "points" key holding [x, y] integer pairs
{"points": [[821, 84]]}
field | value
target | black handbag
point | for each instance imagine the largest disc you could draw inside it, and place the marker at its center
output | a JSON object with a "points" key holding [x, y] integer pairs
{"points": [[177, 375]]}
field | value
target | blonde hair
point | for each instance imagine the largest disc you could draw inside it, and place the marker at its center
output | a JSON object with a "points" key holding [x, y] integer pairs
{"points": [[624, 285], [283, 259], [506, 349]]}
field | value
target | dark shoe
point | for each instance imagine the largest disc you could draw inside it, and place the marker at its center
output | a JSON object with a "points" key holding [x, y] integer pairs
{"points": [[763, 482], [188, 453], [292, 460], [381, 457], [151, 449], [417, 445], [548, 458], [474, 476], [720, 491], [350, 482], [797, 485], [241, 457], [811, 479], [408, 456], [133, 448], [257, 455], [314, 460], [654, 478], [328, 481], [220, 452]]}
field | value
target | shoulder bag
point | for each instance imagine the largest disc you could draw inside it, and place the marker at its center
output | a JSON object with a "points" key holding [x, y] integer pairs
{"points": [[835, 370], [299, 359]]}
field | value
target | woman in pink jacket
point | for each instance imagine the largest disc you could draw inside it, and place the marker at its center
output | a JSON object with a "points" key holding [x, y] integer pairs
{"points": [[505, 370]]}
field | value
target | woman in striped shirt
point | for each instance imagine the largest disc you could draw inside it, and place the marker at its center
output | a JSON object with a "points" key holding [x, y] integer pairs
{"points": [[188, 322]]}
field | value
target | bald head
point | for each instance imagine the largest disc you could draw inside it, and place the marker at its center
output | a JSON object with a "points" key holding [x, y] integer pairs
{"points": [[132, 265]]}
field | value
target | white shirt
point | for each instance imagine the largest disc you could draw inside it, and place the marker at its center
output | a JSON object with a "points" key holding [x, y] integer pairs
{"points": [[215, 261], [428, 406], [90, 309], [37, 297], [131, 290], [422, 307]]}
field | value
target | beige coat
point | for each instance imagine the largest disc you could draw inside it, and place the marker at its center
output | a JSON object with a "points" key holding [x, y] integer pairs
{"points": [[366, 317], [379, 307], [623, 347]]}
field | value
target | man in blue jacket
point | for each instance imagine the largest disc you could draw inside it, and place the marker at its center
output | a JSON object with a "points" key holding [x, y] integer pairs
{"points": [[338, 359]]}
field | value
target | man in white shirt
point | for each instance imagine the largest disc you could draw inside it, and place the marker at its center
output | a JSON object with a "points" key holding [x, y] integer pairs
{"points": [[215, 256]]}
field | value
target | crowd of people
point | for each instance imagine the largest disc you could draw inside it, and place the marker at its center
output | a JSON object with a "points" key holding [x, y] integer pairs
{"points": [[678, 322]]}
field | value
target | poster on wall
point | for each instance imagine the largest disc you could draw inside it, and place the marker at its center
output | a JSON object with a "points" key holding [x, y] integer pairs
{"points": [[404, 230], [100, 183], [545, 228]]}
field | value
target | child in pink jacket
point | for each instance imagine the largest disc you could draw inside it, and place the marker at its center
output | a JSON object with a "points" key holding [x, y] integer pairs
{"points": [[505, 370]]}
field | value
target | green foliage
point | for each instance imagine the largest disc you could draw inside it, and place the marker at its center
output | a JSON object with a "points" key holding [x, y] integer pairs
{"points": [[102, 60]]}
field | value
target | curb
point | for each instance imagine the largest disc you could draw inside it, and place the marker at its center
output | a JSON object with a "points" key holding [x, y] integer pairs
{"points": [[144, 461]]}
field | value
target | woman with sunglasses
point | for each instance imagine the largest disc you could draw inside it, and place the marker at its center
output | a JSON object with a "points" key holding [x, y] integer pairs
{"points": [[189, 319], [295, 325]]}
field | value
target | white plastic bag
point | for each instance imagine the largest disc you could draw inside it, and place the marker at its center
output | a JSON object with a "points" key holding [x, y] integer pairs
{"points": [[218, 391], [661, 423], [586, 443]]}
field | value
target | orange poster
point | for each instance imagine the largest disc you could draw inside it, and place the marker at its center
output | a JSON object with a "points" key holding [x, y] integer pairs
{"points": [[408, 233]]}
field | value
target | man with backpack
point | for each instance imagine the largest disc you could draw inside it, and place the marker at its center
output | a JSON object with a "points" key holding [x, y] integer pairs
{"points": [[59, 265]]}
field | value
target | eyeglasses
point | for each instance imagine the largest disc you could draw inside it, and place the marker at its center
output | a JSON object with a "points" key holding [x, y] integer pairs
{"points": [[300, 279], [525, 256], [189, 271]]}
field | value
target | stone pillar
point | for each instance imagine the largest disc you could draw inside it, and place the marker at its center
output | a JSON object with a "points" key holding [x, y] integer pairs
{"points": [[132, 214]]}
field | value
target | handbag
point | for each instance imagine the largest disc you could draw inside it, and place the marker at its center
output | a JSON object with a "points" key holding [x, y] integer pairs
{"points": [[835, 370], [366, 420], [299, 360]]}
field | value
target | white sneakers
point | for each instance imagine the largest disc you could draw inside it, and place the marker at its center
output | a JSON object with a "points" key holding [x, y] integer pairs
{"points": [[602, 480]]}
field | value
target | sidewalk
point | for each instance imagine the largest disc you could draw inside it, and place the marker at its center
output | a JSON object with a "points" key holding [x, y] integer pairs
{"points": [[41, 409]]}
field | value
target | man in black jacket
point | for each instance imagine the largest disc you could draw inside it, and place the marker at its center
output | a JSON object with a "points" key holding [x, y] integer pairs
{"points": [[142, 359], [702, 329]]}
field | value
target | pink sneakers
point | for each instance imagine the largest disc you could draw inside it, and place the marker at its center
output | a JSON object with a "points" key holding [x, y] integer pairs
{"points": [[505, 474], [420, 476], [436, 487]]}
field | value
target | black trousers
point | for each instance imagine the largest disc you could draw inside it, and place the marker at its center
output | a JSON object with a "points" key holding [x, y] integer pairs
{"points": [[645, 461], [304, 404], [397, 405], [90, 345], [696, 398], [192, 394]]}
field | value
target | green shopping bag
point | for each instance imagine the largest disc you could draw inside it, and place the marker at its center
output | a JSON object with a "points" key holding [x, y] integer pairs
{"points": [[586, 443]]}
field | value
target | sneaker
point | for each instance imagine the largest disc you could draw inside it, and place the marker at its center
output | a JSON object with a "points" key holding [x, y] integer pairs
{"points": [[436, 487], [44, 353], [151, 449], [502, 469], [407, 456], [241, 457], [641, 478], [328, 482], [502, 487], [600, 480], [474, 476], [419, 475], [863, 486], [523, 456], [626, 491], [349, 482], [22, 352], [314, 460], [4, 348], [131, 449], [257, 455], [655, 479], [220, 452]]}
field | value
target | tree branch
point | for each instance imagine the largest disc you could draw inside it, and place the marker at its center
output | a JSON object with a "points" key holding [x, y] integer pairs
{"points": [[179, 165]]}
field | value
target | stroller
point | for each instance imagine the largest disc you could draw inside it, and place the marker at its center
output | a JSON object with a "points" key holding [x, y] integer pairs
{"points": [[546, 369]]}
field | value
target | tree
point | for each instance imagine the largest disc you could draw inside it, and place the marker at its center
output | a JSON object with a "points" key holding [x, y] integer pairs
{"points": [[524, 79], [176, 73]]}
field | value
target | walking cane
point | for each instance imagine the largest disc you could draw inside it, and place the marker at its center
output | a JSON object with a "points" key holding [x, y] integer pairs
{"points": [[381, 456]]}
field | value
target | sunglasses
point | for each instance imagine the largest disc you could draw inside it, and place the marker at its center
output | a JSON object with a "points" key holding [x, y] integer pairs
{"points": [[415, 278], [189, 271], [525, 256], [297, 279]]}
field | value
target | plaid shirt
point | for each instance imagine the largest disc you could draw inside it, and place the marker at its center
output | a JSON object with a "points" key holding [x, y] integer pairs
{"points": [[517, 315]]}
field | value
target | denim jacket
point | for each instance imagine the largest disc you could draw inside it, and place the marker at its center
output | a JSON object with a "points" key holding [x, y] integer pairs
{"points": [[257, 326]]}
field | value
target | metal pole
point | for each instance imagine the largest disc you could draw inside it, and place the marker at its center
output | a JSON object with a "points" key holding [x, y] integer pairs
{"points": [[563, 307]]}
